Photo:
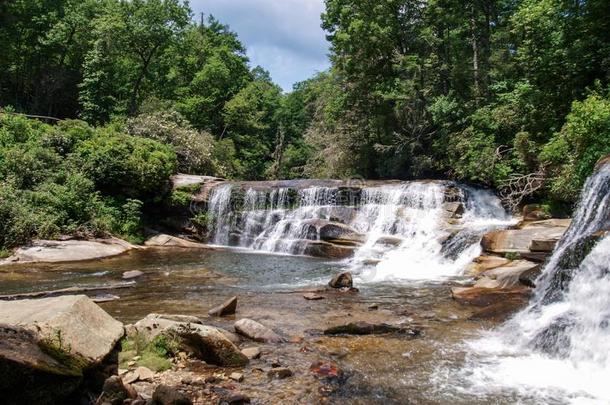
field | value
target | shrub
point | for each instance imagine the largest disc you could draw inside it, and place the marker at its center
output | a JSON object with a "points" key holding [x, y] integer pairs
{"points": [[573, 152]]}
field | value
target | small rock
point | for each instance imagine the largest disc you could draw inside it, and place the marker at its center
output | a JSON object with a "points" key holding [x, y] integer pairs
{"points": [[256, 331], [226, 308], [114, 391], [326, 369], [373, 307], [128, 275], [251, 352], [239, 377], [233, 398], [130, 378], [144, 374], [279, 373], [342, 280], [312, 297], [165, 395], [131, 363], [365, 328]]}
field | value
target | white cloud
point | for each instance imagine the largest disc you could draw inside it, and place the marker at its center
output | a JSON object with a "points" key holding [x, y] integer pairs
{"points": [[283, 36]]}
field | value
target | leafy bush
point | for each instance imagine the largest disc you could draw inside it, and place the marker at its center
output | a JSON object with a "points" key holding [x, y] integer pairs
{"points": [[193, 148], [573, 151]]}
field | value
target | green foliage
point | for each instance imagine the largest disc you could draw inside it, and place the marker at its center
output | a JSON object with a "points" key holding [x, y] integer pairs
{"points": [[583, 140], [155, 354], [74, 179]]}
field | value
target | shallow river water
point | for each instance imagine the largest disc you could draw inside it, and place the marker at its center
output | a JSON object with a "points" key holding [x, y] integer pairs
{"points": [[379, 369]]}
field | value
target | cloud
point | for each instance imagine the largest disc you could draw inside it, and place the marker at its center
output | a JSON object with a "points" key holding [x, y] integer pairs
{"points": [[283, 36]]}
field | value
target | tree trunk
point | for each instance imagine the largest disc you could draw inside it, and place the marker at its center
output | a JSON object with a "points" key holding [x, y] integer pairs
{"points": [[476, 80]]}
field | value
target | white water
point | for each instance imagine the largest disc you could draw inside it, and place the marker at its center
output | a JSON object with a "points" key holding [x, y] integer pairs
{"points": [[407, 230], [558, 349], [415, 216]]}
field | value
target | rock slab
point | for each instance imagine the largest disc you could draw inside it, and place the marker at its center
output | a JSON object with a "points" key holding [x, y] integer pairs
{"points": [[256, 331]]}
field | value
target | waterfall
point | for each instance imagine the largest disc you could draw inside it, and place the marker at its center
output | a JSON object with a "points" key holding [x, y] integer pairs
{"points": [[559, 346], [399, 230], [412, 235]]}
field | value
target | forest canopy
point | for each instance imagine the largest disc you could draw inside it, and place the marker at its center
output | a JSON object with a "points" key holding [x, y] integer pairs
{"points": [[500, 93]]}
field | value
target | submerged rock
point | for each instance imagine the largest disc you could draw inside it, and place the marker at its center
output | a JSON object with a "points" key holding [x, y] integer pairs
{"points": [[256, 331], [365, 328], [326, 369], [342, 280], [226, 308]]}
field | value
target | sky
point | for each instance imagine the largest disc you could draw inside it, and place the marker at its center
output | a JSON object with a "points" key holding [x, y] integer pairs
{"points": [[282, 36]]}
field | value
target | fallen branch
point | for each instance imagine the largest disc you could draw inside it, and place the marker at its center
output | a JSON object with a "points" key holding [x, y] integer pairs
{"points": [[65, 291]]}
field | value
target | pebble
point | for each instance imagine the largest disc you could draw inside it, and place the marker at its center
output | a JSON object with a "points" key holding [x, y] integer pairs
{"points": [[239, 377], [128, 275]]}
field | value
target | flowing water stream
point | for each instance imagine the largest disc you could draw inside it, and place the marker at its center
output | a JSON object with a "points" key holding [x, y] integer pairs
{"points": [[558, 349]]}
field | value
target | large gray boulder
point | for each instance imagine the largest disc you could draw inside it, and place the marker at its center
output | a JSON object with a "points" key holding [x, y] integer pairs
{"points": [[201, 341], [55, 251], [72, 321], [49, 346]]}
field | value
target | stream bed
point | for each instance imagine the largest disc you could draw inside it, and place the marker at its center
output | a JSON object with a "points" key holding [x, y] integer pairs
{"points": [[390, 368]]}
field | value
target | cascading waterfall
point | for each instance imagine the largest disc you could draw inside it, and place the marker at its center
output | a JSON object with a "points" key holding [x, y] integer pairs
{"points": [[559, 346], [409, 230], [412, 235]]}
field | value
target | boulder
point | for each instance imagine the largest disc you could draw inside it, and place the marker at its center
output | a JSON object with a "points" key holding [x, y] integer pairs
{"points": [[226, 308], [389, 241], [163, 240], [342, 280], [519, 240], [200, 341], [73, 321], [256, 331], [507, 276], [327, 250], [483, 297], [339, 234], [52, 347], [54, 251]]}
